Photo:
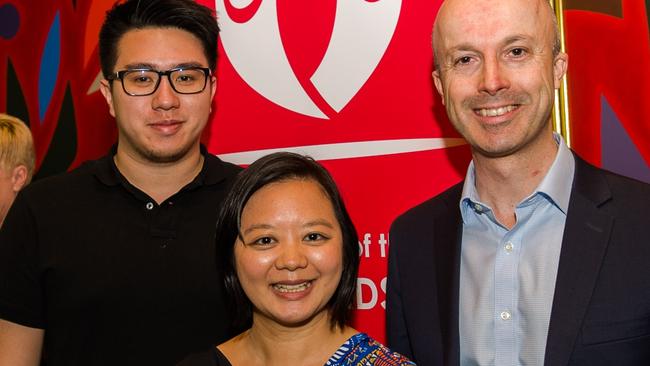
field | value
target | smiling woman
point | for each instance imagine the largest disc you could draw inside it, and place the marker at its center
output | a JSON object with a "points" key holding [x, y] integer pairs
{"points": [[289, 255]]}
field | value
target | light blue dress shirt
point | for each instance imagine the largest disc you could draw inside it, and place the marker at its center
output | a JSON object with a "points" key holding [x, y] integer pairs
{"points": [[507, 277]]}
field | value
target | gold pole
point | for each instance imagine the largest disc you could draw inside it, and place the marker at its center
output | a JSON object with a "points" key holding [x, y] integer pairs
{"points": [[561, 106]]}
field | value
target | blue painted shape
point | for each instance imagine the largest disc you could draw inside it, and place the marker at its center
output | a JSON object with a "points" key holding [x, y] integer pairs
{"points": [[619, 154], [9, 21], [49, 67]]}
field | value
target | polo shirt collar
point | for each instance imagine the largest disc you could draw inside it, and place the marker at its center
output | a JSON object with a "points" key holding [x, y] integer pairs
{"points": [[105, 169], [212, 172]]}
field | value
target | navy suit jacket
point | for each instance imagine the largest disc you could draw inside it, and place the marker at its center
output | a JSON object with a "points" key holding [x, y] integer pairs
{"points": [[601, 306]]}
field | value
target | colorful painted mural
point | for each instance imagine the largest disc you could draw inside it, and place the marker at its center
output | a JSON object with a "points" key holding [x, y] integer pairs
{"points": [[609, 73]]}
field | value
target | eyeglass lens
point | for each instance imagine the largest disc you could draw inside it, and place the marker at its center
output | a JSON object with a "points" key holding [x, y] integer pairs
{"points": [[143, 82]]}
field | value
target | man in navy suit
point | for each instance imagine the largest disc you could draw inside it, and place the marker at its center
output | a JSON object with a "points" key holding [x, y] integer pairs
{"points": [[536, 258]]}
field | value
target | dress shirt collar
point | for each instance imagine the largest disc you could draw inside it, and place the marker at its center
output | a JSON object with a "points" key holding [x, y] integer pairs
{"points": [[556, 185]]}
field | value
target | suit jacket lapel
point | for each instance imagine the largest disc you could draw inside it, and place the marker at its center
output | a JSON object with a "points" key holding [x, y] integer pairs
{"points": [[586, 236], [448, 231]]}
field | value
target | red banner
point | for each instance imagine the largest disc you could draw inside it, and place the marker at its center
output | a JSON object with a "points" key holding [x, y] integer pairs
{"points": [[349, 83]]}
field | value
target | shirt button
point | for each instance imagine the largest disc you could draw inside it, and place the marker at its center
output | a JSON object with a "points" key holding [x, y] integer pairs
{"points": [[505, 315], [478, 208], [508, 247], [149, 206]]}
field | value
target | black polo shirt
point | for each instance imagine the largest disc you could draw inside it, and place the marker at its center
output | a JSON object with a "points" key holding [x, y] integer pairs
{"points": [[113, 277]]}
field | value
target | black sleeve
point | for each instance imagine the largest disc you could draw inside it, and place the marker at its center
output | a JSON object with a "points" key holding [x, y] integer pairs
{"points": [[21, 293], [396, 333]]}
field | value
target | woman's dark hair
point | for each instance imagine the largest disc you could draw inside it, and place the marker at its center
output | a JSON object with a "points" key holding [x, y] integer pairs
{"points": [[186, 15], [269, 169]]}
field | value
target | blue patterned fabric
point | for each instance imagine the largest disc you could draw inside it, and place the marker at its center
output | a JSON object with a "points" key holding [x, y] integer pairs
{"points": [[361, 350]]}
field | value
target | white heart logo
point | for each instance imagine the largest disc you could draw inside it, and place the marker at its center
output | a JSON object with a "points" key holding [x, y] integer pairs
{"points": [[250, 34]]}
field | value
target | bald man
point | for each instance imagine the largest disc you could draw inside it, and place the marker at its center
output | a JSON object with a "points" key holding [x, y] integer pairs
{"points": [[536, 258]]}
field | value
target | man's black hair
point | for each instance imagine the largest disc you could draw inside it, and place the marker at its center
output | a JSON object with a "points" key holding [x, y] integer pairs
{"points": [[186, 15]]}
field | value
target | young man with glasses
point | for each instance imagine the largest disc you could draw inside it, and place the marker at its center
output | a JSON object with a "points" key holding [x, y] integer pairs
{"points": [[113, 263]]}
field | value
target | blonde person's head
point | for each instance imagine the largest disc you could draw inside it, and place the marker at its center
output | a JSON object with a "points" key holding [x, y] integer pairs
{"points": [[16, 145]]}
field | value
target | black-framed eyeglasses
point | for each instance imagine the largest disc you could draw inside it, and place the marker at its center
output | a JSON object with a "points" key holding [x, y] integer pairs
{"points": [[142, 82]]}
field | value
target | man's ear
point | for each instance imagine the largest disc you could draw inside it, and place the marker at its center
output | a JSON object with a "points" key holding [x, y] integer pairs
{"points": [[213, 86], [560, 65], [213, 90], [105, 88], [438, 82], [18, 178]]}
